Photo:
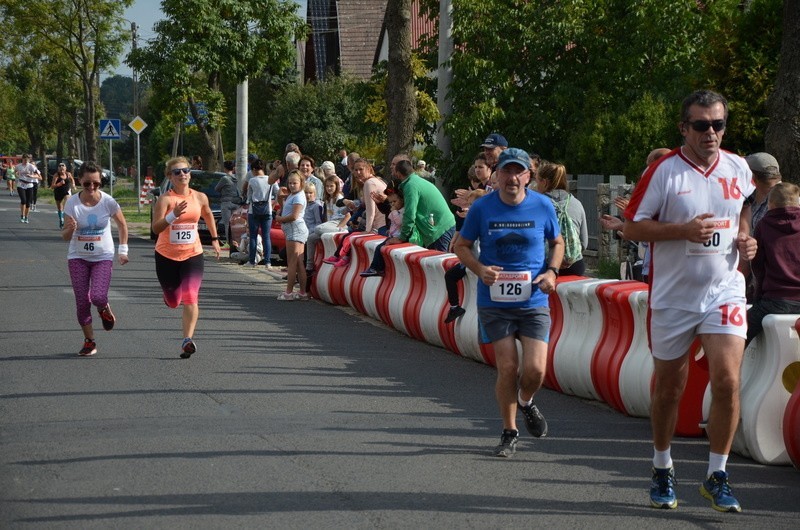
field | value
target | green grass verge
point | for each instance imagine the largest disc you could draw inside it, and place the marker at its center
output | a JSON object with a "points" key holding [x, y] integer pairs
{"points": [[608, 269]]}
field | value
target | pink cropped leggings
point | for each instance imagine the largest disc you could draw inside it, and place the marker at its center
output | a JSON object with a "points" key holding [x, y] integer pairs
{"points": [[90, 283]]}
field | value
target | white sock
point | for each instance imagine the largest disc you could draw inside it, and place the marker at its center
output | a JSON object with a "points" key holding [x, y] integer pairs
{"points": [[662, 459], [522, 401], [716, 462]]}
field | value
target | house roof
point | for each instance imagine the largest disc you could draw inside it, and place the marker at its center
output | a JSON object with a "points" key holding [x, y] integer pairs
{"points": [[360, 23]]}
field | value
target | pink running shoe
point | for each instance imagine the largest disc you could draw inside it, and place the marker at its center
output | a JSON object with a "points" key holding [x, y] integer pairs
{"points": [[343, 262], [330, 260]]}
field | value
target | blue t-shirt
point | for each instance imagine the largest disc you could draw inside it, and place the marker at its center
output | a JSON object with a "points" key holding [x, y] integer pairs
{"points": [[513, 237]]}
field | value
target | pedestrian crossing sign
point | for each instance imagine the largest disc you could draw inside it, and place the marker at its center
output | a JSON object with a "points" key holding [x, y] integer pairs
{"points": [[110, 130]]}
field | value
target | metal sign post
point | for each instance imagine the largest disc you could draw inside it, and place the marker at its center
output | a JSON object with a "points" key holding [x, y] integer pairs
{"points": [[137, 125], [110, 130], [110, 169]]}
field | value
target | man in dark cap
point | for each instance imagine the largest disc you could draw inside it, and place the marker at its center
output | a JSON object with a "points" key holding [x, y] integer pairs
{"points": [[514, 226], [493, 145]]}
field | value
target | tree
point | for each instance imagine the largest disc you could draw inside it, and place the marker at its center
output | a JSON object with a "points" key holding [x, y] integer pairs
{"points": [[82, 36], [598, 83], [401, 101], [332, 116], [116, 93], [202, 41], [783, 132], [12, 134], [741, 62], [427, 111]]}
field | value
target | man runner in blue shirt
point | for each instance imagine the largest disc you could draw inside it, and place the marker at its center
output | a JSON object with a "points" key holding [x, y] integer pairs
{"points": [[513, 224]]}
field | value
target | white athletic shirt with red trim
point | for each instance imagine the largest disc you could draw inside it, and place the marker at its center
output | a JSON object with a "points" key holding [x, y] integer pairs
{"points": [[684, 275]]}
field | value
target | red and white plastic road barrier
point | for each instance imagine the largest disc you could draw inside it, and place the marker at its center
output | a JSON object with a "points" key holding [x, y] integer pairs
{"points": [[328, 280], [791, 417], [598, 341], [556, 329], [583, 320], [690, 408], [418, 291], [770, 370], [435, 305], [360, 257], [615, 340], [637, 367]]}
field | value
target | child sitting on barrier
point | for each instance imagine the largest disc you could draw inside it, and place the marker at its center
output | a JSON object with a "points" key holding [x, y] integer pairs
{"points": [[456, 273], [378, 265], [336, 214], [774, 266], [312, 216]]}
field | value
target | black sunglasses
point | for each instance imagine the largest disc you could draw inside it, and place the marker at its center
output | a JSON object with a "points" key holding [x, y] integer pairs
{"points": [[90, 184], [178, 171], [703, 125]]}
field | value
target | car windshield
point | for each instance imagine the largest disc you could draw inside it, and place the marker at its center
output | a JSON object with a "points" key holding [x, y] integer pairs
{"points": [[204, 181]]}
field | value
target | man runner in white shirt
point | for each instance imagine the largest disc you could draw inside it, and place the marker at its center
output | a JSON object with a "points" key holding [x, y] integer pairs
{"points": [[690, 206]]}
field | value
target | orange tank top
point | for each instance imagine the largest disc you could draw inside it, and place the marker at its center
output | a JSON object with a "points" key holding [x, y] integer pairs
{"points": [[181, 241]]}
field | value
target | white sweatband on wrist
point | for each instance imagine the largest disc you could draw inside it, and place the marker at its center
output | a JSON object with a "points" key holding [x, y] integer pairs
{"points": [[170, 218], [122, 250]]}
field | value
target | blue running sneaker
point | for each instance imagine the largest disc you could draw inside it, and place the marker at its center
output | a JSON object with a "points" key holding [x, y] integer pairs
{"points": [[718, 491], [662, 489]]}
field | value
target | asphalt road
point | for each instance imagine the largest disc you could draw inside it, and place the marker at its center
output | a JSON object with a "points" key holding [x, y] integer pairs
{"points": [[296, 415]]}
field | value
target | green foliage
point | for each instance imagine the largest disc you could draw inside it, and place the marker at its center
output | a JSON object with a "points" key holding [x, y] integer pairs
{"points": [[66, 44], [623, 140], [320, 117], [116, 93], [201, 41], [427, 110], [608, 269], [741, 63], [597, 83]]}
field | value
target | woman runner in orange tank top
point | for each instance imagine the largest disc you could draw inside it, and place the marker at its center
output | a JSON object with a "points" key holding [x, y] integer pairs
{"points": [[179, 252]]}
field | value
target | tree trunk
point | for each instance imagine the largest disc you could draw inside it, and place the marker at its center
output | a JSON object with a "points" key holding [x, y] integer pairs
{"points": [[209, 135], [89, 126], [401, 102], [783, 105]]}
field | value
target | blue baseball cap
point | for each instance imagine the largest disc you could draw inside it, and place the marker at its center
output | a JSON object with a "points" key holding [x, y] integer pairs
{"points": [[514, 155], [495, 140]]}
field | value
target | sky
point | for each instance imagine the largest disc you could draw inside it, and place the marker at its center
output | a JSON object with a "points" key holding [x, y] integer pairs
{"points": [[146, 13]]}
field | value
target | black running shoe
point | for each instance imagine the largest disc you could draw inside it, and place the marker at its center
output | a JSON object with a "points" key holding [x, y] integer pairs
{"points": [[454, 313], [108, 318], [508, 444], [188, 347], [534, 421], [89, 348]]}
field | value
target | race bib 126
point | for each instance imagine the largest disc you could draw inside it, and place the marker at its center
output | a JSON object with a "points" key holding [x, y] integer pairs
{"points": [[511, 286]]}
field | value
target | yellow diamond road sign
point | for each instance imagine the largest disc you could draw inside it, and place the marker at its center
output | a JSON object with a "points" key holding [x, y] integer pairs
{"points": [[138, 125]]}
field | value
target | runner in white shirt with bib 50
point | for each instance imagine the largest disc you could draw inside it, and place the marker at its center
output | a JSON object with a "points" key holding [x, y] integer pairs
{"points": [[690, 205]]}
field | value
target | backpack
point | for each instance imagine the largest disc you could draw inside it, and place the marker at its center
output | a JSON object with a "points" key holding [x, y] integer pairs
{"points": [[569, 231]]}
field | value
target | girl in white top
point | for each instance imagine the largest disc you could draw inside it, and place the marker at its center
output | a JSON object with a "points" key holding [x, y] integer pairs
{"points": [[294, 226], [91, 251], [28, 177], [336, 216]]}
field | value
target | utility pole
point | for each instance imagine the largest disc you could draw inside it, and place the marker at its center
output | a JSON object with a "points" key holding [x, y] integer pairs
{"points": [[134, 38], [445, 76], [242, 104]]}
